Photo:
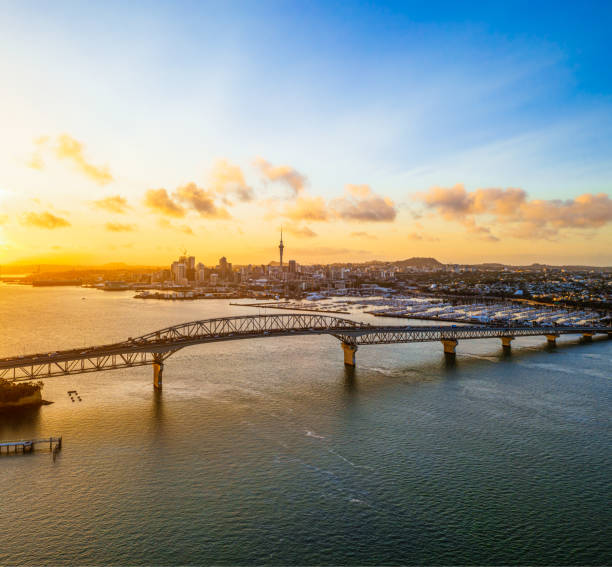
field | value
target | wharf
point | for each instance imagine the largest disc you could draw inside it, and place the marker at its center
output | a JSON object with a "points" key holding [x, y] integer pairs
{"points": [[28, 445], [431, 318], [289, 308]]}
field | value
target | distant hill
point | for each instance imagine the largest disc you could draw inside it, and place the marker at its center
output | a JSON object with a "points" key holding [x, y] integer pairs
{"points": [[418, 263]]}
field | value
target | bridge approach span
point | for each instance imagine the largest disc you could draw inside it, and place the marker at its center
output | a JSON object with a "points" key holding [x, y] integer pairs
{"points": [[154, 348]]}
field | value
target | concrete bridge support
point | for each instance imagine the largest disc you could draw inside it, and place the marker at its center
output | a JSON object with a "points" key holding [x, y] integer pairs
{"points": [[349, 353], [449, 346], [507, 343], [552, 340], [158, 370], [587, 337]]}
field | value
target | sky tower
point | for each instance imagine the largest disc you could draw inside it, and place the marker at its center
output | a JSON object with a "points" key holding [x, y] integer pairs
{"points": [[281, 247]]}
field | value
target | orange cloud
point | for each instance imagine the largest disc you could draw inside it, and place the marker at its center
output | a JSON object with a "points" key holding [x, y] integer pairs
{"points": [[284, 173], [361, 204], [201, 200], [522, 218], [44, 220], [308, 208], [362, 234], [164, 223], [160, 202], [303, 231], [422, 237], [114, 204], [118, 227], [228, 179], [71, 149]]}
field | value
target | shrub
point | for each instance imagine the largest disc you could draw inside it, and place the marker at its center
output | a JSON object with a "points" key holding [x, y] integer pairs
{"points": [[14, 391]]}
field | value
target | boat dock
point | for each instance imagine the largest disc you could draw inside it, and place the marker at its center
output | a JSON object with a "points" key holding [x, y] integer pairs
{"points": [[28, 445], [289, 307]]}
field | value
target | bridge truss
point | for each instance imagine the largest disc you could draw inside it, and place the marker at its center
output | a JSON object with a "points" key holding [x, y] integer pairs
{"points": [[154, 348]]}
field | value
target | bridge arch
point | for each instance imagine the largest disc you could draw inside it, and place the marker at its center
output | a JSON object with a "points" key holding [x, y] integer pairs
{"points": [[255, 324]]}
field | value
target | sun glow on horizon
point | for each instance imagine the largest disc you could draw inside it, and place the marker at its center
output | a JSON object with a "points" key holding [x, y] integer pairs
{"points": [[358, 159]]}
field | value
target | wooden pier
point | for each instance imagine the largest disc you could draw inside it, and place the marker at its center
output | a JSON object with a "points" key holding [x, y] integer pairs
{"points": [[28, 445]]}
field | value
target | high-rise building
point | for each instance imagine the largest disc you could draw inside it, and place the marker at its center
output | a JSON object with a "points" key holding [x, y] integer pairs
{"points": [[292, 266], [200, 272], [190, 268], [178, 270]]}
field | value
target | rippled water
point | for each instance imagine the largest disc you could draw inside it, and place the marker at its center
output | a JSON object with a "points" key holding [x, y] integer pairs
{"points": [[270, 451]]}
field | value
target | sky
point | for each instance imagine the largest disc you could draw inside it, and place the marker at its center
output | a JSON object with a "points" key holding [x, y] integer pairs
{"points": [[470, 132]]}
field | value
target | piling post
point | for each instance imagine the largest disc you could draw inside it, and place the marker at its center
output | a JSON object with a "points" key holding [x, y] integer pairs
{"points": [[349, 353], [507, 343], [158, 370], [552, 340], [449, 346]]}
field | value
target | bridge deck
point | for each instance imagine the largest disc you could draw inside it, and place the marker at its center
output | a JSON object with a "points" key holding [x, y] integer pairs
{"points": [[155, 347]]}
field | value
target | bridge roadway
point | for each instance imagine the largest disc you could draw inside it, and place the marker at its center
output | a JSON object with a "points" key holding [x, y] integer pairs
{"points": [[154, 348]]}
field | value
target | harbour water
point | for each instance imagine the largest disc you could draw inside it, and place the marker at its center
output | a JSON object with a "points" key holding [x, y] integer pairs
{"points": [[270, 451]]}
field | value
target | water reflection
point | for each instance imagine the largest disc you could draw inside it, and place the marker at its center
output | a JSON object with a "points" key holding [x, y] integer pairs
{"points": [[350, 382], [15, 420], [450, 362]]}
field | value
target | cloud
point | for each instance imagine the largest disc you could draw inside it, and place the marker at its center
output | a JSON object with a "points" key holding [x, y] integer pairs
{"points": [[114, 204], [36, 159], [228, 179], [480, 232], [361, 204], [585, 211], [44, 220], [362, 234], [309, 209], [283, 173], [314, 252], [421, 237], [3, 219], [303, 231], [71, 149], [160, 202], [456, 203], [201, 200], [118, 227], [165, 223], [519, 216]]}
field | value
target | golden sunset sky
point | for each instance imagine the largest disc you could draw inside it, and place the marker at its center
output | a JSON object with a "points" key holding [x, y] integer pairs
{"points": [[132, 131]]}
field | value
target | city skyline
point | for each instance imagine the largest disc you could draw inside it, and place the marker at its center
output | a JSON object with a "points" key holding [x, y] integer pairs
{"points": [[207, 127]]}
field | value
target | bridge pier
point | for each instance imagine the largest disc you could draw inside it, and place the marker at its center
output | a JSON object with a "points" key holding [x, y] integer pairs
{"points": [[449, 346], [506, 342], [158, 371], [552, 340], [349, 354], [587, 337]]}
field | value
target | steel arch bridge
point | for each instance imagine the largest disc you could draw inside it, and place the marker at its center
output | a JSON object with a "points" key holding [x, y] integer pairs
{"points": [[154, 348]]}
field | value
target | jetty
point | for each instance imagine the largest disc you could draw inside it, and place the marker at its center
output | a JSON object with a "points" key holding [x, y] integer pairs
{"points": [[28, 445], [289, 307]]}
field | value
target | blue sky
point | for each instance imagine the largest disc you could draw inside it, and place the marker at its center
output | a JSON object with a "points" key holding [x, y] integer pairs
{"points": [[401, 96]]}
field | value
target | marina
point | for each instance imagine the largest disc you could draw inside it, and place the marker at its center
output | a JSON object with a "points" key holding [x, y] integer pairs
{"points": [[291, 306], [433, 309]]}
